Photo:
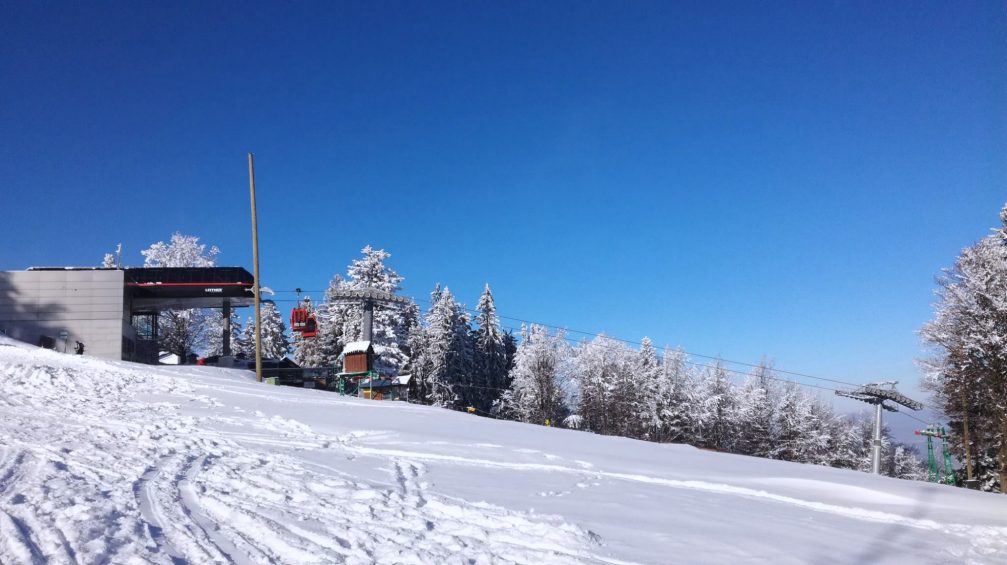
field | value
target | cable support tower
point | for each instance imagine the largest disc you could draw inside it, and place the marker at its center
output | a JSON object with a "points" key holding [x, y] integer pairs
{"points": [[881, 397], [946, 476]]}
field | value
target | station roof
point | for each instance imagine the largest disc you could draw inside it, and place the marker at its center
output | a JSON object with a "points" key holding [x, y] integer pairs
{"points": [[152, 289], [162, 288]]}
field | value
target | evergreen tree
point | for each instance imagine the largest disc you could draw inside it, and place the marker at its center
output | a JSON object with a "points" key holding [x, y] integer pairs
{"points": [[756, 414], [596, 372], [906, 464], [792, 417], [720, 425], [181, 251], [341, 322], [444, 360], [489, 354], [275, 344], [817, 441], [215, 332], [645, 385], [245, 345], [540, 387], [968, 374], [182, 331], [675, 398]]}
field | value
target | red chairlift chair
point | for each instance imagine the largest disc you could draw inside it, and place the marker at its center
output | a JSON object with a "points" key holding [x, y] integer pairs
{"points": [[302, 320], [310, 326]]}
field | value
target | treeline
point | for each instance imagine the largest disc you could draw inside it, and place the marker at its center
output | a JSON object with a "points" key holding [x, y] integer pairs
{"points": [[461, 359]]}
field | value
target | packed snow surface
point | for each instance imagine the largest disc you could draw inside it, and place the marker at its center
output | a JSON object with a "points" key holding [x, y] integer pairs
{"points": [[115, 462]]}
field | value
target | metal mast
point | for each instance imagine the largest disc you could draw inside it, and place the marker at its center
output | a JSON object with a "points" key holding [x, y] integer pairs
{"points": [[879, 396]]}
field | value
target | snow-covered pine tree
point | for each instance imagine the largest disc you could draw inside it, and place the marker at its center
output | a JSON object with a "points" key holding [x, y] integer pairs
{"points": [[182, 331], [674, 398], [275, 344], [968, 373], [332, 318], [792, 417], [181, 251], [444, 360], [420, 358], [510, 348], [720, 428], [603, 371], [215, 333], [370, 271], [109, 261], [817, 441], [411, 321], [245, 345], [846, 444], [906, 463], [341, 322], [540, 386], [489, 354], [647, 381], [756, 402]]}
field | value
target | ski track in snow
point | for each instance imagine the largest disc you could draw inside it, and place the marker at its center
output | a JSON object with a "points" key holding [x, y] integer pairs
{"points": [[178, 492], [177, 489]]}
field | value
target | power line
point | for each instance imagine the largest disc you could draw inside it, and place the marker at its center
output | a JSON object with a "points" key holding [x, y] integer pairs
{"points": [[637, 343]]}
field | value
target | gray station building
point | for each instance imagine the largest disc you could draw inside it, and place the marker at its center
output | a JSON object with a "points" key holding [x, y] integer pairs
{"points": [[113, 312]]}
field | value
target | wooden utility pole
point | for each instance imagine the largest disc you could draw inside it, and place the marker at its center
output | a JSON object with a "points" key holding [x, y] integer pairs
{"points": [[255, 261]]}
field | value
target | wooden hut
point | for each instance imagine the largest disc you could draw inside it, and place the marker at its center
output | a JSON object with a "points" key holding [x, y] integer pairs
{"points": [[358, 358]]}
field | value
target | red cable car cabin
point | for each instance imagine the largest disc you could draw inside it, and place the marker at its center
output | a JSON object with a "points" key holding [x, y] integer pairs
{"points": [[303, 322]]}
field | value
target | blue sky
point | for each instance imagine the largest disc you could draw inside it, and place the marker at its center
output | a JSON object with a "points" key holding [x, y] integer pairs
{"points": [[743, 179]]}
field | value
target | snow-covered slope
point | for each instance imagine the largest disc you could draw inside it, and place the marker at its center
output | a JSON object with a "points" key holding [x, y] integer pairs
{"points": [[115, 462]]}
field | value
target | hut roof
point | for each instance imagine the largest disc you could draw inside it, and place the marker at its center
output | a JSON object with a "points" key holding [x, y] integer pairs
{"points": [[358, 347]]}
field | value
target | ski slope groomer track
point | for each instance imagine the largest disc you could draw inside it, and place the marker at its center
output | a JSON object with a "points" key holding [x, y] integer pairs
{"points": [[114, 462]]}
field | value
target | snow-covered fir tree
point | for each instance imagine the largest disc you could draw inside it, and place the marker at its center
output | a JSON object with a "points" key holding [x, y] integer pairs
{"points": [[341, 322], [596, 372], [180, 251], [968, 372], [540, 385], [756, 414], [182, 331], [674, 398], [645, 411], [720, 425], [489, 355], [792, 422], [215, 333], [275, 344], [443, 365]]}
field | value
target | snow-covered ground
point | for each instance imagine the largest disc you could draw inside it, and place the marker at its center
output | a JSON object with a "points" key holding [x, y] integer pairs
{"points": [[115, 462]]}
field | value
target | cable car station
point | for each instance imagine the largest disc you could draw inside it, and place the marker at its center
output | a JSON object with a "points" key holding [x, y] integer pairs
{"points": [[113, 313]]}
